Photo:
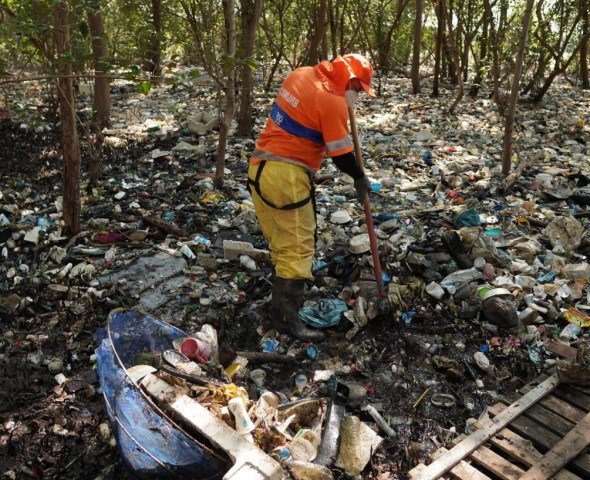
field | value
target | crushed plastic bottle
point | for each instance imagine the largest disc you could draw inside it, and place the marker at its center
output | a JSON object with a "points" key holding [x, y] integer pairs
{"points": [[350, 446], [310, 471]]}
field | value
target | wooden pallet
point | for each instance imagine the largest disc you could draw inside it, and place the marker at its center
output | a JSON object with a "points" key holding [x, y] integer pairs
{"points": [[543, 434]]}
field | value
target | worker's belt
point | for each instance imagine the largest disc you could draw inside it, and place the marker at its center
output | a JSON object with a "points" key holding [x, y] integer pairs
{"points": [[293, 126], [290, 206]]}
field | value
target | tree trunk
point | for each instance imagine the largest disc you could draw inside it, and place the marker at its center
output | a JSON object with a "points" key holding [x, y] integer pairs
{"points": [[251, 10], [439, 8], [483, 52], [455, 60], [557, 69], [499, 38], [277, 46], [585, 5], [449, 54], [229, 13], [509, 126], [415, 74], [67, 113], [101, 113], [320, 31], [102, 96], [154, 58]]}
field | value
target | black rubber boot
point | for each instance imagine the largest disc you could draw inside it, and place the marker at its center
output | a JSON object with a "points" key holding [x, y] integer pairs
{"points": [[287, 299]]}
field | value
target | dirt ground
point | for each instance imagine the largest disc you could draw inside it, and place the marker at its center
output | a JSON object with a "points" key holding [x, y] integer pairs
{"points": [[48, 432]]}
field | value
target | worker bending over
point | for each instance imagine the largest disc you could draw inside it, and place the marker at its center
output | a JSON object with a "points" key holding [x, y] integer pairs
{"points": [[308, 120]]}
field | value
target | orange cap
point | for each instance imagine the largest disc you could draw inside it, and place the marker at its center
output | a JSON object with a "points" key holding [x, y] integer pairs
{"points": [[361, 69]]}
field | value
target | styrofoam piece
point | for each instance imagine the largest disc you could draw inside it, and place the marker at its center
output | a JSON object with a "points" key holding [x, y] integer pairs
{"points": [[340, 217], [360, 244]]}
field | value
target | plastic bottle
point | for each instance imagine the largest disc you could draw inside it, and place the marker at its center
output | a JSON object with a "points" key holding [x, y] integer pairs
{"points": [[310, 471], [350, 446], [381, 421], [208, 334], [64, 271]]}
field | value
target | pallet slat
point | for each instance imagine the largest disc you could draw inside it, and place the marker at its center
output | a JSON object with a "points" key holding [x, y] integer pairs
{"points": [[496, 464], [565, 450], [439, 467], [463, 470], [548, 417], [522, 450], [542, 436], [560, 407], [574, 396]]}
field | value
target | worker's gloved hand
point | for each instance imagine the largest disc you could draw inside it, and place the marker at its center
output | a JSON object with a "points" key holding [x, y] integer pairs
{"points": [[362, 187]]}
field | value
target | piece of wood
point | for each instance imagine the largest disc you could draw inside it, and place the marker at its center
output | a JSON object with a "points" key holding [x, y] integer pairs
{"points": [[514, 176], [259, 358], [463, 470], [550, 420], [560, 407], [439, 467], [167, 227], [499, 466], [523, 451], [562, 350], [542, 436], [565, 450], [574, 396]]}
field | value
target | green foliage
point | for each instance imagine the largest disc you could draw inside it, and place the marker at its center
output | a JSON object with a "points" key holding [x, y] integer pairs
{"points": [[144, 87], [194, 34]]}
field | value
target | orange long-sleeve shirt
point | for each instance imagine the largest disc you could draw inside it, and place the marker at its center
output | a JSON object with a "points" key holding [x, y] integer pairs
{"points": [[309, 118]]}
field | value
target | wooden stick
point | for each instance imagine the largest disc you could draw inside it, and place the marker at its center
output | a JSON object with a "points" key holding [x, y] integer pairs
{"points": [[259, 358], [167, 227], [367, 204]]}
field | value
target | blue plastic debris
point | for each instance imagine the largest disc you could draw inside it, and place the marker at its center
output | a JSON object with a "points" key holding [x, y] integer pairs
{"points": [[312, 352], [468, 218], [271, 346], [547, 277], [406, 317], [325, 313], [43, 223], [384, 217], [376, 187], [151, 444], [169, 216]]}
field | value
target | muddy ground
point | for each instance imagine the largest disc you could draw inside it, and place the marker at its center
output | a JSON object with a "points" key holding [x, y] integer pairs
{"points": [[47, 432]]}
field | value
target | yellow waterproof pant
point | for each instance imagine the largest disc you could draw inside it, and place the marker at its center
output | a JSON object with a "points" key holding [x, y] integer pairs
{"points": [[290, 233]]}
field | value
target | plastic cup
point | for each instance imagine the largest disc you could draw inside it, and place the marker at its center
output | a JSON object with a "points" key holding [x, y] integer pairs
{"points": [[196, 349]]}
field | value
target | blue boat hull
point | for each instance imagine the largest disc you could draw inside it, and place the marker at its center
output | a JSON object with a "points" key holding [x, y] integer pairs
{"points": [[151, 445]]}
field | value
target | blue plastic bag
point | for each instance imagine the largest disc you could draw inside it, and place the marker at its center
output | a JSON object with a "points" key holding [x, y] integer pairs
{"points": [[326, 313]]}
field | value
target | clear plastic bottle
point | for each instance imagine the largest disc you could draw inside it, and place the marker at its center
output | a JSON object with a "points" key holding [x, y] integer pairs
{"points": [[310, 471], [350, 447]]}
